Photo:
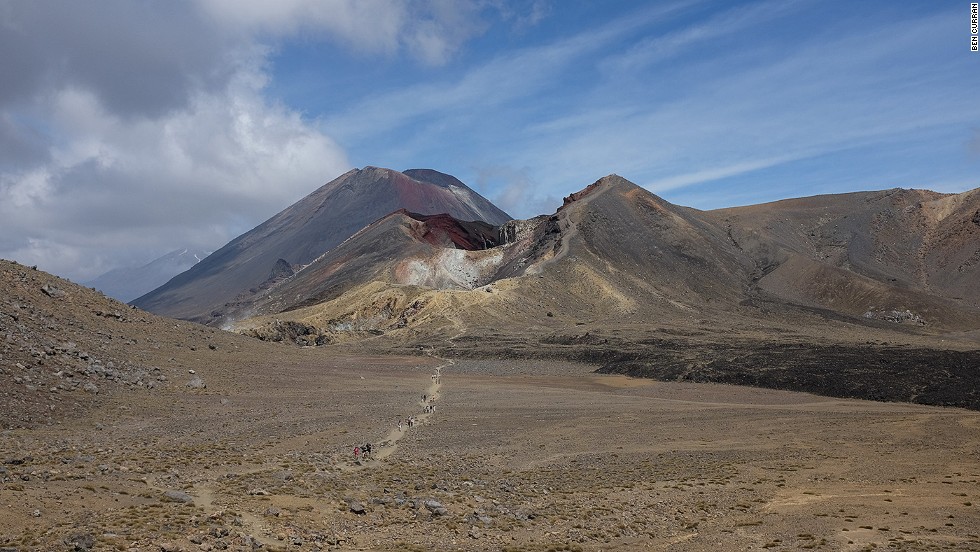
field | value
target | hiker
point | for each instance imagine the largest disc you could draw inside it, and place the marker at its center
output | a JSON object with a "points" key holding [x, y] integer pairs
{"points": [[366, 451], [357, 453], [399, 424]]}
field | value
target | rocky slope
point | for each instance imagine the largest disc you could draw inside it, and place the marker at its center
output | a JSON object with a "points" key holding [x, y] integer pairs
{"points": [[867, 253], [64, 348], [305, 230]]}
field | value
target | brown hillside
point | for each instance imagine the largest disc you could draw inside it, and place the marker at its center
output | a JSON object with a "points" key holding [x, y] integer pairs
{"points": [[67, 348], [868, 252]]}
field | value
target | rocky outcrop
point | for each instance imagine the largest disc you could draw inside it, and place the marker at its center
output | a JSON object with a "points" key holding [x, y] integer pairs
{"points": [[896, 317], [444, 230], [289, 331], [282, 269]]}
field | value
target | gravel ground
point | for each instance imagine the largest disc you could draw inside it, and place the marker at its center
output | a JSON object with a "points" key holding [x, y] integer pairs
{"points": [[516, 456]]}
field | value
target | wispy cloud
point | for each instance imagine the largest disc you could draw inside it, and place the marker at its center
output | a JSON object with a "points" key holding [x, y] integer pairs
{"points": [[825, 94], [512, 76], [714, 28], [716, 173]]}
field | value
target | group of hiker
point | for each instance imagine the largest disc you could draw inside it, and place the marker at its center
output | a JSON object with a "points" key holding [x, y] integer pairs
{"points": [[410, 422], [363, 452], [428, 406]]}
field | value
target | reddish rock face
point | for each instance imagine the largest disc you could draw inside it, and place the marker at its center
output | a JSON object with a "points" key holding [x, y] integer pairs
{"points": [[575, 196], [442, 229]]}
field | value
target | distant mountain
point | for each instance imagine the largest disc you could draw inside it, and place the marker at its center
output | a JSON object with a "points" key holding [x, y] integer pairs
{"points": [[307, 229], [128, 283], [616, 255]]}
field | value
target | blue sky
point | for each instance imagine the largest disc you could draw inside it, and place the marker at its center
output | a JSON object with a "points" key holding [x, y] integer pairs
{"points": [[707, 104], [128, 130]]}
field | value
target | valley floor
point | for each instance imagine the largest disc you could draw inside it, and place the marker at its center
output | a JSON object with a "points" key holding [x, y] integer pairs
{"points": [[517, 455]]}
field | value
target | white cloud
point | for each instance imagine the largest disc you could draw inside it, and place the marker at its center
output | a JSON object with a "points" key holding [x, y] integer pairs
{"points": [[114, 184], [430, 30], [25, 190], [228, 160]]}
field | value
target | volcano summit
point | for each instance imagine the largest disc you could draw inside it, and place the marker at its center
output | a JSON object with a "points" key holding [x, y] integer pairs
{"points": [[307, 229]]}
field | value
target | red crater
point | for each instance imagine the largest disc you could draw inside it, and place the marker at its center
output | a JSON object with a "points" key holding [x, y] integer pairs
{"points": [[443, 229]]}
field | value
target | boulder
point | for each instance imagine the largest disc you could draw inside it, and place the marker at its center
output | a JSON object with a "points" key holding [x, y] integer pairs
{"points": [[80, 542], [435, 507], [52, 291], [179, 496], [357, 508]]}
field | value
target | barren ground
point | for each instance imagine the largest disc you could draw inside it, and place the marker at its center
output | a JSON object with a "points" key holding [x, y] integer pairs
{"points": [[517, 455]]}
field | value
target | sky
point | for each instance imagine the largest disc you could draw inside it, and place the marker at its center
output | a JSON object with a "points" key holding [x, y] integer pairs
{"points": [[130, 128]]}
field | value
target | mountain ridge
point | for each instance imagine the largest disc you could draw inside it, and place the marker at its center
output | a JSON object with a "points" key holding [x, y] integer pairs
{"points": [[681, 258]]}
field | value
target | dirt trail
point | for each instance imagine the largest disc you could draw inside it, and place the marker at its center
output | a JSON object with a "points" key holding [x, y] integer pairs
{"points": [[389, 444], [204, 495], [204, 498]]}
